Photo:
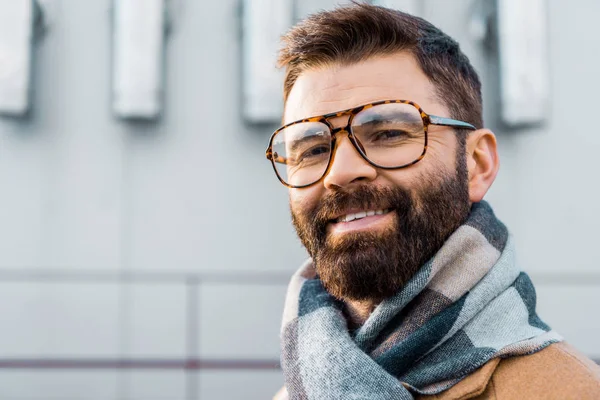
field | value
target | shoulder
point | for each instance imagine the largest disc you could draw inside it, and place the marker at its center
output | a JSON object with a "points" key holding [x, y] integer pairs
{"points": [[558, 371]]}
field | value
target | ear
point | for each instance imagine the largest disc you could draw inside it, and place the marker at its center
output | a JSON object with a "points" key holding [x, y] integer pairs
{"points": [[482, 162]]}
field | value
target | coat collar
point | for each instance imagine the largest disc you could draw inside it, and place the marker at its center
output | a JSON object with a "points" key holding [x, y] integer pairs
{"points": [[471, 386]]}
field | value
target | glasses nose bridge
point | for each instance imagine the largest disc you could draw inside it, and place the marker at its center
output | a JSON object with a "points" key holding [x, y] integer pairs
{"points": [[335, 131], [341, 129], [353, 140]]}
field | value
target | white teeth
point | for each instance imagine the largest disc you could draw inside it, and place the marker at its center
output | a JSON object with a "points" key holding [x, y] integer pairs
{"points": [[361, 214]]}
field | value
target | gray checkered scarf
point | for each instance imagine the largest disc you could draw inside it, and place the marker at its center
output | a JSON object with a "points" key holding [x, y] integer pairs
{"points": [[470, 303]]}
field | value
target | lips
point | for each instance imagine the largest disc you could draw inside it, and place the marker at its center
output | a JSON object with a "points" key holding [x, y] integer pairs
{"points": [[362, 220], [361, 214]]}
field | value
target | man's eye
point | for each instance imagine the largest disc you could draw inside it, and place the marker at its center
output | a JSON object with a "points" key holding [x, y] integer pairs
{"points": [[389, 134], [313, 153]]}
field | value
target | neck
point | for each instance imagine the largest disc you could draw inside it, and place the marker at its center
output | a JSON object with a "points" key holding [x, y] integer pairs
{"points": [[357, 312]]}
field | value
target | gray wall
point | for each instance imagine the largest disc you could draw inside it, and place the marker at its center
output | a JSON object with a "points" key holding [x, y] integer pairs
{"points": [[172, 240]]}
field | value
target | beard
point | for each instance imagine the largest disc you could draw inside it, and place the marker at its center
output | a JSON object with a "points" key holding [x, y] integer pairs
{"points": [[375, 265]]}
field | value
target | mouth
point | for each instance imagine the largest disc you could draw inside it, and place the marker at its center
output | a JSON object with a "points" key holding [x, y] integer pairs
{"points": [[360, 220], [360, 215]]}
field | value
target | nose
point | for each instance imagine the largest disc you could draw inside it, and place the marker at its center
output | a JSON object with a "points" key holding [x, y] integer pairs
{"points": [[347, 166]]}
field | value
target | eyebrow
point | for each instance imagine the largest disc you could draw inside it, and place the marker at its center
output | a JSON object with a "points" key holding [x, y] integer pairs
{"points": [[397, 117], [374, 124]]}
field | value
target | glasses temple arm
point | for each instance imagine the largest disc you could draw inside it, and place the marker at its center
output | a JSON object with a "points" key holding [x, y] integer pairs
{"points": [[453, 123]]}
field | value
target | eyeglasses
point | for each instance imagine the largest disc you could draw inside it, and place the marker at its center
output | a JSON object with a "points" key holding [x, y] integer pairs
{"points": [[388, 134]]}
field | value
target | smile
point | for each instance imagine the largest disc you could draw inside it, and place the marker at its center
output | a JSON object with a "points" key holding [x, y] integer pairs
{"points": [[361, 215], [361, 220]]}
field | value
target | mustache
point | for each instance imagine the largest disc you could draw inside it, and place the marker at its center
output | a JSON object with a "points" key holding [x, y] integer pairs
{"points": [[338, 202]]}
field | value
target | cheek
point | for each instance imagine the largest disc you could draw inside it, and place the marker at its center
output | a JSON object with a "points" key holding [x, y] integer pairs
{"points": [[441, 151], [439, 161], [303, 199], [411, 178], [418, 178]]}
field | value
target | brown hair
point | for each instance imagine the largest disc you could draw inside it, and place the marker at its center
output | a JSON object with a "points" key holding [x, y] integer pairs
{"points": [[357, 32]]}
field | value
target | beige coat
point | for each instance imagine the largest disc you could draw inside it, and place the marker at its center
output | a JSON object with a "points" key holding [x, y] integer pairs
{"points": [[557, 372]]}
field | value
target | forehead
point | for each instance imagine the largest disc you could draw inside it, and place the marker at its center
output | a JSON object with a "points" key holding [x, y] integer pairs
{"points": [[338, 87]]}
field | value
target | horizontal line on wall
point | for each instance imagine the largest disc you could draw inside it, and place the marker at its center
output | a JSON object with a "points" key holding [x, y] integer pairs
{"points": [[230, 277], [145, 364], [139, 364]]}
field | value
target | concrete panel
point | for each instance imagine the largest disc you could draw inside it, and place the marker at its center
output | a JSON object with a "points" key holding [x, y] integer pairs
{"points": [[573, 312], [84, 159], [71, 320], [157, 320], [156, 385], [240, 321], [24, 200], [247, 385], [59, 385]]}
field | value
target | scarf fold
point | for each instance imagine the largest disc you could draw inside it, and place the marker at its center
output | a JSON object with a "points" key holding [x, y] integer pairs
{"points": [[469, 304]]}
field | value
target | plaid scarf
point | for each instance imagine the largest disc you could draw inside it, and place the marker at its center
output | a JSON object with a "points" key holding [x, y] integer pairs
{"points": [[470, 303]]}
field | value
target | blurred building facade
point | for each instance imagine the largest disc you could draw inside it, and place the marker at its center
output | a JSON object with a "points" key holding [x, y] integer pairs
{"points": [[149, 260]]}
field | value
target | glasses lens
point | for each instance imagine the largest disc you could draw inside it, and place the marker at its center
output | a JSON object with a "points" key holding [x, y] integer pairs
{"points": [[301, 152], [391, 135]]}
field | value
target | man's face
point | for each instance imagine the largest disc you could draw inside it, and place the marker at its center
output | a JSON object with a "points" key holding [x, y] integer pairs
{"points": [[373, 257]]}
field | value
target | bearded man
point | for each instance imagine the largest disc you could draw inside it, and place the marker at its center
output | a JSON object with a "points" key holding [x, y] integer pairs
{"points": [[412, 290]]}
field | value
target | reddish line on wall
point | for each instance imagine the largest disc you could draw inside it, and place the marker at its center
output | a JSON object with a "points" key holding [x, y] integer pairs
{"points": [[160, 364]]}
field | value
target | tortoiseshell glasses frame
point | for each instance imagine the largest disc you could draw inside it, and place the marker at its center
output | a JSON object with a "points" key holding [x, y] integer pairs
{"points": [[324, 119]]}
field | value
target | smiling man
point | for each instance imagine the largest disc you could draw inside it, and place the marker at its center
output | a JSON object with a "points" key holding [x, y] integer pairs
{"points": [[411, 290]]}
